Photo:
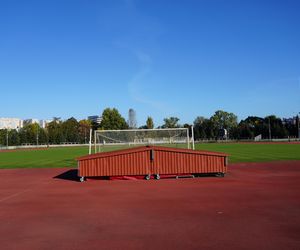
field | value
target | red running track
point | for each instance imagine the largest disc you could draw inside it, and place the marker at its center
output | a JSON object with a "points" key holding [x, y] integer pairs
{"points": [[256, 206]]}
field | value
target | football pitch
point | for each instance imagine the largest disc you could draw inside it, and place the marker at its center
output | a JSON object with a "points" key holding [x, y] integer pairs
{"points": [[65, 156]]}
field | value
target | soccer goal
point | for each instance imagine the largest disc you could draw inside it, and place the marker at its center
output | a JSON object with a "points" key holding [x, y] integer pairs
{"points": [[106, 140]]}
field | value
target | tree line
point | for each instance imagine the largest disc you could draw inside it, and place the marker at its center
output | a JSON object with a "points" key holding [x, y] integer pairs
{"points": [[269, 127], [56, 132], [73, 131]]}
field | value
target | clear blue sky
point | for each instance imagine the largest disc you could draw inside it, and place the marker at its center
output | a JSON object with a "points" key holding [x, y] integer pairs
{"points": [[161, 58]]}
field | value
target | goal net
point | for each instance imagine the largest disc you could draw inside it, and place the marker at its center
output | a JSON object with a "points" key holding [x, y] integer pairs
{"points": [[106, 140]]}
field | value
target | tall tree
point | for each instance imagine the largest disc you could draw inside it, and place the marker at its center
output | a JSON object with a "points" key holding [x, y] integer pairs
{"points": [[292, 125], [171, 122], [112, 119], [203, 128], [71, 130], [11, 136], [224, 120], [55, 132], [149, 123], [3, 137], [84, 130], [29, 134], [245, 131], [274, 128], [56, 119], [250, 127], [42, 136], [199, 129]]}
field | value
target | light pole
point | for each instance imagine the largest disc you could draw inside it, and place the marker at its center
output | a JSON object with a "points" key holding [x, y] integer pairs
{"points": [[270, 136], [298, 125], [37, 136], [7, 137]]}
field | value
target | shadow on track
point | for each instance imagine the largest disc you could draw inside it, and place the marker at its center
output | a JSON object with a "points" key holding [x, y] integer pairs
{"points": [[70, 175]]}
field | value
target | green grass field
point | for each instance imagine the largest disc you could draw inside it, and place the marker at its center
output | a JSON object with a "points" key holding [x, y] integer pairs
{"points": [[65, 157], [242, 152]]}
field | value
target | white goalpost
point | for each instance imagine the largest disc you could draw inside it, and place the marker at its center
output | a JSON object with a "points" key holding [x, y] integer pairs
{"points": [[118, 139]]}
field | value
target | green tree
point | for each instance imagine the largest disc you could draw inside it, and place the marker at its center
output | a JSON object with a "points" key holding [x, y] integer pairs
{"points": [[12, 135], [224, 120], [203, 128], [29, 134], [149, 123], [292, 126], [56, 119], [70, 129], [275, 126], [42, 136], [199, 128], [14, 138], [245, 131], [171, 122], [2, 137], [84, 130], [250, 127], [209, 129], [55, 132], [112, 119]]}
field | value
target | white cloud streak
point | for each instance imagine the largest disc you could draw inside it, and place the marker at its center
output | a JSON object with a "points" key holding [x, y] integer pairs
{"points": [[136, 83]]}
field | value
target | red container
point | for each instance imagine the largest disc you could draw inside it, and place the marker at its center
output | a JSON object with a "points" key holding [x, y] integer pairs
{"points": [[175, 161], [148, 160]]}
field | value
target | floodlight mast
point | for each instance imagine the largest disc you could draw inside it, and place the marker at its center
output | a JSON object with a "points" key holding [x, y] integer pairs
{"points": [[6, 137], [298, 121]]}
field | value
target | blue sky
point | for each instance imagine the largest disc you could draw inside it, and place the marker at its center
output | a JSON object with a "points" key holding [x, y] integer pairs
{"points": [[161, 58]]}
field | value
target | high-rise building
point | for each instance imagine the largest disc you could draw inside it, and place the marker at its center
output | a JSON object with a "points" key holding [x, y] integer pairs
{"points": [[132, 119], [95, 119]]}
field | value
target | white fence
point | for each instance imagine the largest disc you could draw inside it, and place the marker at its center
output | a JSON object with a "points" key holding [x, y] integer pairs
{"points": [[247, 140], [42, 146], [2, 147]]}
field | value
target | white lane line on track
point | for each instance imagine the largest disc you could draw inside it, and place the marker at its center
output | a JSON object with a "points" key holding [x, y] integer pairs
{"points": [[14, 195]]}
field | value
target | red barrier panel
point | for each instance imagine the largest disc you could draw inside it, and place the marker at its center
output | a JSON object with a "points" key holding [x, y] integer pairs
{"points": [[149, 160]]}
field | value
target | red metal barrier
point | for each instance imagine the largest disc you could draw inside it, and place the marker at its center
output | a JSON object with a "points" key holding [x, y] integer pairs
{"points": [[148, 160]]}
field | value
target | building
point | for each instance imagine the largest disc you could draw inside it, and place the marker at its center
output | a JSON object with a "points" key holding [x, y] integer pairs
{"points": [[16, 123], [41, 123], [31, 121], [95, 119], [290, 121], [132, 119], [11, 123]]}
